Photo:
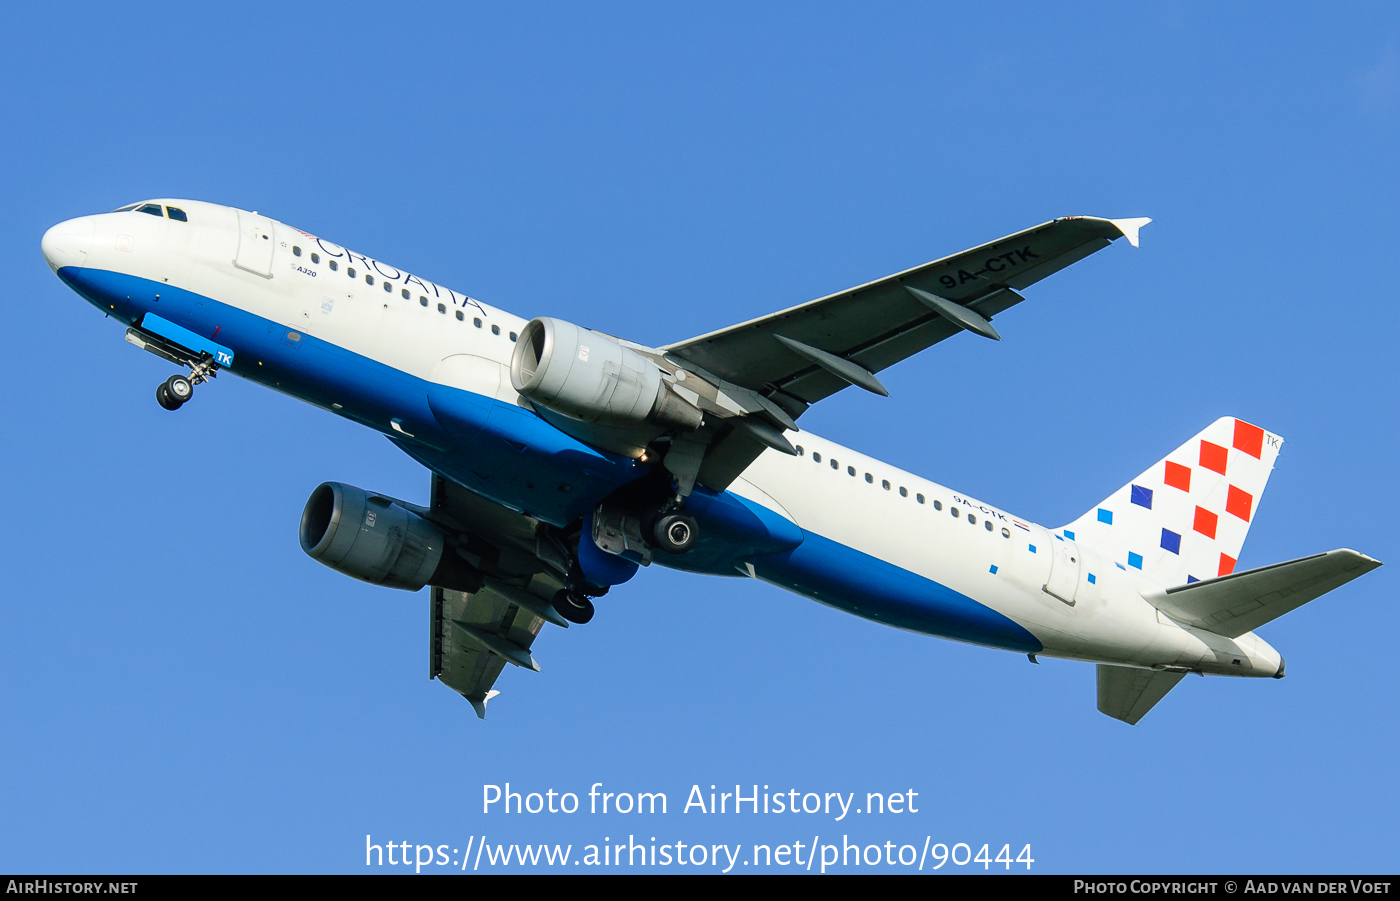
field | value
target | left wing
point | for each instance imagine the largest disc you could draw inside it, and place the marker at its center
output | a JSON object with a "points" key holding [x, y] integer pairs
{"points": [[880, 323], [794, 358]]}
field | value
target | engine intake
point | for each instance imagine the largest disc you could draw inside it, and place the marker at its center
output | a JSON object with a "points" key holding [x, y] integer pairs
{"points": [[378, 540], [591, 377]]}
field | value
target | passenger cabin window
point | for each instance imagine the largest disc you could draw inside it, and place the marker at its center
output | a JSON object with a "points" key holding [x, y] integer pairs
{"points": [[920, 499], [177, 214], [442, 308], [296, 251], [152, 208], [937, 505], [369, 279], [972, 520], [869, 479], [903, 492], [885, 484], [1005, 533], [422, 301], [834, 464], [334, 265], [315, 258], [851, 471], [460, 317], [495, 329], [350, 271], [513, 336], [954, 511], [388, 288], [476, 322], [800, 451], [987, 524], [816, 457]]}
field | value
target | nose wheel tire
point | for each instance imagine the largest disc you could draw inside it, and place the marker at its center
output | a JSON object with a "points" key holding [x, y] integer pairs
{"points": [[179, 388], [164, 399], [174, 392], [675, 533], [574, 607]]}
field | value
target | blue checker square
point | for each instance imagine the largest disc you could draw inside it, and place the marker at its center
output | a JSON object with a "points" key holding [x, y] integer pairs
{"points": [[1135, 560], [1092, 580], [1106, 516], [994, 569], [1171, 541], [1032, 547], [1069, 534], [1142, 496]]}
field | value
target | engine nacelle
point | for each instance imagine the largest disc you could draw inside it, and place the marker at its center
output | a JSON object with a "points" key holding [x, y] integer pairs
{"points": [[591, 377], [377, 540]]}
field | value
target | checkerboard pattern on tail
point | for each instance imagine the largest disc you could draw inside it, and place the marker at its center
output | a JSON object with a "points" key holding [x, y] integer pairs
{"points": [[1186, 518]]}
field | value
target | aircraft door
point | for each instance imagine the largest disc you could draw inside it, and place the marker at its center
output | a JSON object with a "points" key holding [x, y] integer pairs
{"points": [[1065, 564], [255, 244]]}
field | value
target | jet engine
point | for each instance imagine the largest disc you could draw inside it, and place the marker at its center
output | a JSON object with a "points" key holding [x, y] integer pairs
{"points": [[379, 540], [589, 376]]}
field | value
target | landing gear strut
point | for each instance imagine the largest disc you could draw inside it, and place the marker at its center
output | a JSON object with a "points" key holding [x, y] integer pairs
{"points": [[175, 392]]}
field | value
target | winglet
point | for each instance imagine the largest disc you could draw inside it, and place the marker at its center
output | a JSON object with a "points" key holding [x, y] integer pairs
{"points": [[479, 704], [1130, 228]]}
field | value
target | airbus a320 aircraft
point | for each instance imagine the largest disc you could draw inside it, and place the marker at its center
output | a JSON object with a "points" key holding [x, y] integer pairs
{"points": [[563, 459]]}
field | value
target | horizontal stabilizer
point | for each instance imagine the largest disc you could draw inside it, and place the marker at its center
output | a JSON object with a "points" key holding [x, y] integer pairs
{"points": [[1127, 694], [1235, 604]]}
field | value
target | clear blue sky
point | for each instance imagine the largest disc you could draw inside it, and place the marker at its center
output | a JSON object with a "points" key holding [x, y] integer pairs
{"points": [[183, 690]]}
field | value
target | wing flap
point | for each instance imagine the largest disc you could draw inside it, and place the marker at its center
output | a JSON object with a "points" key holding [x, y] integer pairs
{"points": [[1127, 694], [1235, 604]]}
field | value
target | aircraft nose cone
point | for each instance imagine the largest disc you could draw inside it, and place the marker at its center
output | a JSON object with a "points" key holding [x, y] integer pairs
{"points": [[66, 244]]}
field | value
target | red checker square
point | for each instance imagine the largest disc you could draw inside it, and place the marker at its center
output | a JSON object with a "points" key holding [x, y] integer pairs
{"points": [[1178, 476], [1249, 438], [1239, 503], [1227, 564], [1214, 457], [1206, 522]]}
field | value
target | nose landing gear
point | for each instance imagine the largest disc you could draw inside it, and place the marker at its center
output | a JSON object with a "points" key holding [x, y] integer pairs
{"points": [[175, 392]]}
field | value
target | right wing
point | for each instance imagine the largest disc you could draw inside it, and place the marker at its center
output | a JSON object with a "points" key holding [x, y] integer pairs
{"points": [[473, 635]]}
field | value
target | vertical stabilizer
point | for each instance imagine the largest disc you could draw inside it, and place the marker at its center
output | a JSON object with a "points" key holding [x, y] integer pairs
{"points": [[1186, 518]]}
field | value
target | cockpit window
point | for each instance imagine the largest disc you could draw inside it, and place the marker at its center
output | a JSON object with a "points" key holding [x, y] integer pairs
{"points": [[125, 209], [177, 214], [152, 208]]}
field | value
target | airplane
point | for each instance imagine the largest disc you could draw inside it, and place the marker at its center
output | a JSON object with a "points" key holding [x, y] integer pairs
{"points": [[562, 459]]}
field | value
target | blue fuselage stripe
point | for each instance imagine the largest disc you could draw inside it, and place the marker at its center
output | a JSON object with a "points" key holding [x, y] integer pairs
{"points": [[845, 578]]}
